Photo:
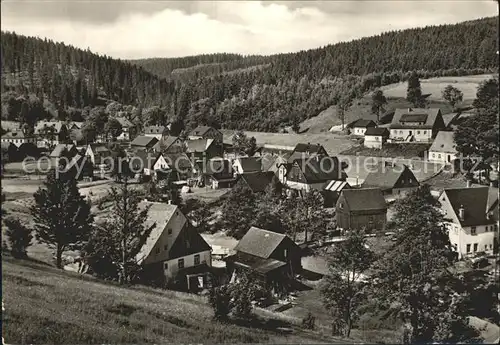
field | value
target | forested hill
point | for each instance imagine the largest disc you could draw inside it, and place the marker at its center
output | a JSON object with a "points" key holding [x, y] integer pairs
{"points": [[233, 91], [466, 45]]}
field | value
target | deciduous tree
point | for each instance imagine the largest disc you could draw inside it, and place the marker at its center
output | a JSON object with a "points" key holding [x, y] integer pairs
{"points": [[452, 95], [378, 103], [414, 91], [19, 237]]}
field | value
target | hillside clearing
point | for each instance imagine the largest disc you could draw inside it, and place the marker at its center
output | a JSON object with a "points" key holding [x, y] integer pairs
{"points": [[45, 305]]}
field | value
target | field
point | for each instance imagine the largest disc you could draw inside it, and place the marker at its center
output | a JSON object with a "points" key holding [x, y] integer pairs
{"points": [[45, 305], [396, 94], [467, 84]]}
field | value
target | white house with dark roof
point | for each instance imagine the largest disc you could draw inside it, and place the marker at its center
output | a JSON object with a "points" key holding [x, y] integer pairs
{"points": [[17, 138], [443, 149], [243, 165], [50, 133], [360, 126], [126, 126], [417, 125], [157, 132], [173, 247], [375, 137], [472, 220]]}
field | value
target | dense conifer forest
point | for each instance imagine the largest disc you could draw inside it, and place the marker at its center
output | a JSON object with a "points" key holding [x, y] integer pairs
{"points": [[262, 93]]}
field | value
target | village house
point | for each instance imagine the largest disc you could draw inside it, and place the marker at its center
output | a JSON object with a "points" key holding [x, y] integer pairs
{"points": [[358, 209], [98, 153], [243, 165], [312, 173], [271, 257], [393, 180], [257, 182], [50, 133], [127, 127], [143, 143], [63, 150], [17, 138], [202, 149], [181, 163], [375, 137], [75, 125], [360, 126], [415, 125], [302, 151], [215, 173], [148, 163], [157, 132], [170, 144], [173, 249], [79, 167], [272, 162], [443, 149], [207, 132], [471, 218]]}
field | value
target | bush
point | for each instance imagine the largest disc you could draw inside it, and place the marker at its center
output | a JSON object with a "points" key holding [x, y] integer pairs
{"points": [[19, 237], [308, 322], [220, 300]]}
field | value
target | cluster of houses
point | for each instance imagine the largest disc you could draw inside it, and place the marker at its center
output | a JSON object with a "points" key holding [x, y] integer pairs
{"points": [[412, 126]]}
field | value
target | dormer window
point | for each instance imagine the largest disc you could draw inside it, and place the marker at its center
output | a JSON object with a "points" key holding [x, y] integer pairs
{"points": [[170, 231], [473, 230]]}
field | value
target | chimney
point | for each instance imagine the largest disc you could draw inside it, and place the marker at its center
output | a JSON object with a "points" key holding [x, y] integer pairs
{"points": [[357, 180], [170, 202], [469, 183], [410, 109], [461, 212]]}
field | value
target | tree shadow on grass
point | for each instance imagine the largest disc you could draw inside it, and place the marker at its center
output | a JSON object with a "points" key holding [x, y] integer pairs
{"points": [[274, 325]]}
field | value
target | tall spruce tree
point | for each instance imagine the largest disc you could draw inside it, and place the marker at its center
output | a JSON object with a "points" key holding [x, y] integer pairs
{"points": [[61, 214], [414, 91]]}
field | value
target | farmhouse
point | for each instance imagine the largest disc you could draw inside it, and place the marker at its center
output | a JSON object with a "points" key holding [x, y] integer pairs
{"points": [[97, 153], [207, 132], [215, 173], [148, 162], [257, 181], [60, 150], [126, 128], [181, 163], [416, 125], [395, 181], [471, 219], [50, 133], [169, 144], [273, 162], [306, 174], [79, 167], [157, 132], [358, 209], [376, 137], [243, 165], [360, 126], [17, 138], [271, 257], [144, 143], [306, 150], [443, 149], [202, 149], [173, 248]]}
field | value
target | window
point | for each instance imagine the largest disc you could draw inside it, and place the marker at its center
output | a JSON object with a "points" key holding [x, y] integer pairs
{"points": [[197, 259], [486, 228], [341, 206], [475, 247], [439, 155], [188, 245], [473, 230], [425, 132], [165, 265], [165, 247], [400, 132], [468, 248], [418, 132], [285, 253], [157, 250], [433, 155], [180, 263], [491, 246], [485, 247], [170, 231]]}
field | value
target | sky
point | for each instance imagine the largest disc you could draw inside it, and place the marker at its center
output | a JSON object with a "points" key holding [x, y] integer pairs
{"points": [[140, 29]]}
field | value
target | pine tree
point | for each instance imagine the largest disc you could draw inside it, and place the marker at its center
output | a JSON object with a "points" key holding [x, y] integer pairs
{"points": [[61, 214], [414, 91]]}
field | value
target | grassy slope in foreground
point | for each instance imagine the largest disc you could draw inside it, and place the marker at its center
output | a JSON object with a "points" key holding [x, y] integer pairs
{"points": [[44, 305]]}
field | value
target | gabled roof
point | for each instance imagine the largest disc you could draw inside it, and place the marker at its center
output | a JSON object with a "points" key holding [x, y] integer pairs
{"points": [[198, 145], [320, 168], [475, 202], [249, 164], [311, 148], [59, 149], [335, 186], [258, 181], [57, 125], [178, 161], [159, 215], [271, 163], [366, 199], [154, 129], [378, 131], [144, 141], [168, 141], [444, 142], [200, 131], [385, 177], [99, 148], [124, 121], [404, 118], [77, 124], [364, 123], [259, 242], [257, 264], [215, 167]]}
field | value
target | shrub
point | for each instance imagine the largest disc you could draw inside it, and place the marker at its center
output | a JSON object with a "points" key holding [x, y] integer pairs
{"points": [[19, 237], [220, 300], [308, 322]]}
